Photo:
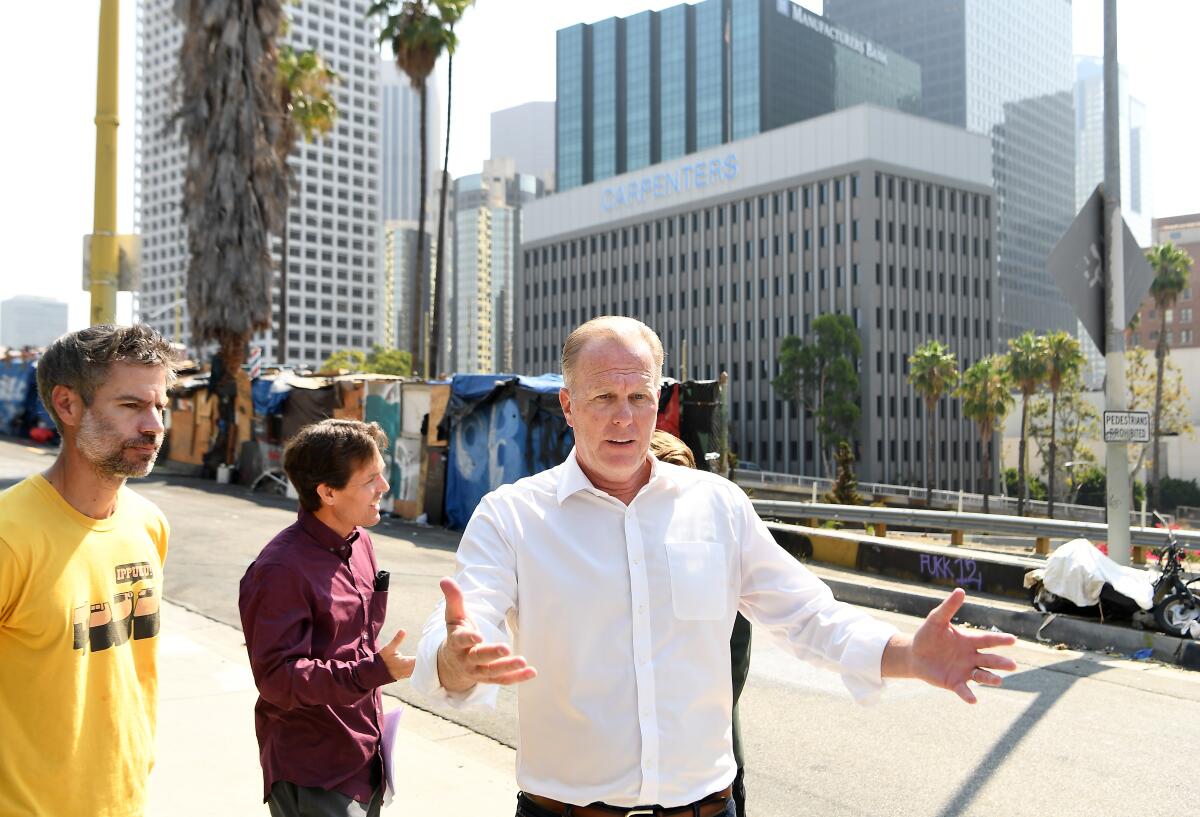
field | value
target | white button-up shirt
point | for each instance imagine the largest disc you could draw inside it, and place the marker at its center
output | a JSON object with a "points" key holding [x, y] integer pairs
{"points": [[626, 612]]}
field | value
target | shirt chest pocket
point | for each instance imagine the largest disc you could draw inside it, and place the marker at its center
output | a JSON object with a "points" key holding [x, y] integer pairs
{"points": [[698, 580]]}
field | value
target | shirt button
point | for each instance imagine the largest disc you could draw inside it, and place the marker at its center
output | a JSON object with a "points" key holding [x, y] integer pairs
{"points": [[641, 608], [637, 561]]}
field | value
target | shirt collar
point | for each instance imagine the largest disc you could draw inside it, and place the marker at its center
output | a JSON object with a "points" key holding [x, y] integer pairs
{"points": [[572, 480], [325, 537]]}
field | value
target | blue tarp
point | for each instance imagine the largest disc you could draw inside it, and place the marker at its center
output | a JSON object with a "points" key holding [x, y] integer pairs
{"points": [[269, 395], [20, 407], [502, 427]]}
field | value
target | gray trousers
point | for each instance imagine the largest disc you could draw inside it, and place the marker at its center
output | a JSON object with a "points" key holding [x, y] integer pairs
{"points": [[289, 800]]}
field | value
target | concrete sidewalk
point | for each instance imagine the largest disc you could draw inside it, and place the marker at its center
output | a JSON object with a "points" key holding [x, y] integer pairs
{"points": [[208, 756]]}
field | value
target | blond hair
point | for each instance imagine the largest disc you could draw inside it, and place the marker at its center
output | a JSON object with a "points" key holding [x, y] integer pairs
{"points": [[616, 327], [666, 447]]}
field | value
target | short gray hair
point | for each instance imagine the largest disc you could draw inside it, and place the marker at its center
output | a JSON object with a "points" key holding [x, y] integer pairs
{"points": [[81, 360], [609, 326]]}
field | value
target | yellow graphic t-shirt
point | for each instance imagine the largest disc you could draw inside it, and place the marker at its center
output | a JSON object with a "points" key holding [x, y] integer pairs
{"points": [[79, 601]]}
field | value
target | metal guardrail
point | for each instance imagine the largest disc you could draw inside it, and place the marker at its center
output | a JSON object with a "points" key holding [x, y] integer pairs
{"points": [[952, 520], [1063, 510]]}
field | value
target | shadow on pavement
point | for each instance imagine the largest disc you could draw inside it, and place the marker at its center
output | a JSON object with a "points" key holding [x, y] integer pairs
{"points": [[1048, 684]]}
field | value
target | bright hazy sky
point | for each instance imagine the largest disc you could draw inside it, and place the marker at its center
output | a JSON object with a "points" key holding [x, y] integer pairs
{"points": [[506, 57]]}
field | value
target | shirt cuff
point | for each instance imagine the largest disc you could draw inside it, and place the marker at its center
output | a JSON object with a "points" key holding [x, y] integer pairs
{"points": [[374, 673], [425, 680], [862, 660]]}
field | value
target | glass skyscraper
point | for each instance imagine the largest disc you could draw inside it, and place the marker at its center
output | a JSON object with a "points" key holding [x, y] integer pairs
{"points": [[1002, 68], [655, 86]]}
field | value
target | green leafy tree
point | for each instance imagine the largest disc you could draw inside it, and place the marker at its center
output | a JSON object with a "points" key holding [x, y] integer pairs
{"points": [[1064, 360], [1028, 365], [822, 377], [1142, 382], [933, 371], [1071, 424], [418, 31], [986, 394], [235, 185], [309, 110], [379, 360], [1170, 265], [1176, 492]]}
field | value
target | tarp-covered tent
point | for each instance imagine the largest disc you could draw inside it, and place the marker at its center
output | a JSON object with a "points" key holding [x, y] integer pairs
{"points": [[20, 407], [502, 427]]}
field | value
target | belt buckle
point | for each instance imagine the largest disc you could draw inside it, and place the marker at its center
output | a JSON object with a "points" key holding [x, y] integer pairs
{"points": [[634, 812]]}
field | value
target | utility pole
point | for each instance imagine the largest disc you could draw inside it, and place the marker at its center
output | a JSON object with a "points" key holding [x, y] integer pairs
{"points": [[1115, 399], [105, 252]]}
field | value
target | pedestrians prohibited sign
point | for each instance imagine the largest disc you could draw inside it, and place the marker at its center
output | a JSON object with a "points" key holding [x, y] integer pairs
{"points": [[1126, 426]]}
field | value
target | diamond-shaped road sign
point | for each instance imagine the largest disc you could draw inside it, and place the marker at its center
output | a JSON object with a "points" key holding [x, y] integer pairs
{"points": [[1077, 264]]}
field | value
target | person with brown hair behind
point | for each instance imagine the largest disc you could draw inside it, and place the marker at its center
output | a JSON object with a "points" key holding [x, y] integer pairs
{"points": [[666, 447], [312, 606], [81, 559]]}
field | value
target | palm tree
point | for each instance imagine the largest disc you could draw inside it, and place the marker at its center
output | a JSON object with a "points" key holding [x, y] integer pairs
{"points": [[1063, 360], [450, 11], [309, 110], [417, 36], [1028, 366], [986, 392], [235, 185], [933, 372], [1170, 265]]}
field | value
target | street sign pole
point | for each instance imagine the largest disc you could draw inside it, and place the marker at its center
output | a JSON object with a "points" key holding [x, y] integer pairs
{"points": [[105, 252], [1116, 460]]}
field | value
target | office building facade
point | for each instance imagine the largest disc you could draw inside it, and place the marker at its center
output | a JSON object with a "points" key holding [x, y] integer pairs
{"points": [[487, 239], [400, 142], [1182, 321], [31, 320], [335, 284], [869, 213], [657, 86], [1003, 69], [525, 133]]}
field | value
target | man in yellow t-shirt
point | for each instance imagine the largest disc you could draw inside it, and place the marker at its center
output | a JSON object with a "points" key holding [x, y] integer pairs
{"points": [[80, 585]]}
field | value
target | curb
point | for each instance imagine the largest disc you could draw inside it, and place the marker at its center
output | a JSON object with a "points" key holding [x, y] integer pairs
{"points": [[1079, 633]]}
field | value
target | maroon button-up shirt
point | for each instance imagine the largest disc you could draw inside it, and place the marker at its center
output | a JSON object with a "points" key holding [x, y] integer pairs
{"points": [[311, 617]]}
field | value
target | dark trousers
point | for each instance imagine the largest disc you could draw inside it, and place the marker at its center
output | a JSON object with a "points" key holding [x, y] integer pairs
{"points": [[739, 792], [289, 800], [527, 808]]}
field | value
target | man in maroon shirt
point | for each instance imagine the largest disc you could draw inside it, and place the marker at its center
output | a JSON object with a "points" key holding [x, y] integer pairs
{"points": [[312, 607]]}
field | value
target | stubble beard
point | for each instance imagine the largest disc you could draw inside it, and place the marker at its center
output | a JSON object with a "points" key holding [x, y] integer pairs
{"points": [[95, 443]]}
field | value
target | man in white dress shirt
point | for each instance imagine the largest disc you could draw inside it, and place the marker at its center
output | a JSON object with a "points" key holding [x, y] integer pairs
{"points": [[618, 578]]}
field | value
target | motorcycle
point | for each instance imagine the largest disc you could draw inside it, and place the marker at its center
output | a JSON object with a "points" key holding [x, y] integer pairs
{"points": [[1177, 611]]}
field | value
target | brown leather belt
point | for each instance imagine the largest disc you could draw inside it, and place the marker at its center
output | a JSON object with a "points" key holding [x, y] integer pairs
{"points": [[712, 806]]}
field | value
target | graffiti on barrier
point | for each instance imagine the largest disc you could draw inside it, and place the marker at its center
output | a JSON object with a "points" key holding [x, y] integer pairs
{"points": [[963, 572]]}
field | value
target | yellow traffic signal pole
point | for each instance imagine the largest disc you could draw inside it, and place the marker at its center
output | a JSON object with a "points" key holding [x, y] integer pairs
{"points": [[105, 254]]}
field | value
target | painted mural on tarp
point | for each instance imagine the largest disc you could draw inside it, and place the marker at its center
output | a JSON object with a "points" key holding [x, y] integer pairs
{"points": [[383, 407], [20, 407], [501, 428]]}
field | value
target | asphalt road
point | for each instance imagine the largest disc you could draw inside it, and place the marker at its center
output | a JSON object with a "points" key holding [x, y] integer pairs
{"points": [[1069, 734]]}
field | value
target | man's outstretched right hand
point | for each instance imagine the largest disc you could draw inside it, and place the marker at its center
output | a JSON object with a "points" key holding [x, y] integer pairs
{"points": [[464, 660]]}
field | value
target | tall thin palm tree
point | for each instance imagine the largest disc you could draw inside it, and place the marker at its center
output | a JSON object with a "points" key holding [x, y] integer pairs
{"points": [[1170, 265], [986, 394], [1063, 360], [309, 110], [451, 11], [235, 185], [417, 36], [1028, 366], [933, 371]]}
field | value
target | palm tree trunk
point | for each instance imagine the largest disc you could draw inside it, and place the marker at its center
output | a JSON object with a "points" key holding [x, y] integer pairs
{"points": [[1053, 450], [417, 309], [930, 449], [1022, 485], [435, 331], [1160, 352], [281, 349], [985, 437]]}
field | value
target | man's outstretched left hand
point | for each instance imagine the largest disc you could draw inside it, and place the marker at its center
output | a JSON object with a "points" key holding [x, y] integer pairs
{"points": [[941, 655]]}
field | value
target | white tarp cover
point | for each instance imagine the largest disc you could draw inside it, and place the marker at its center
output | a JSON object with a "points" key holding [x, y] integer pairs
{"points": [[1077, 571]]}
